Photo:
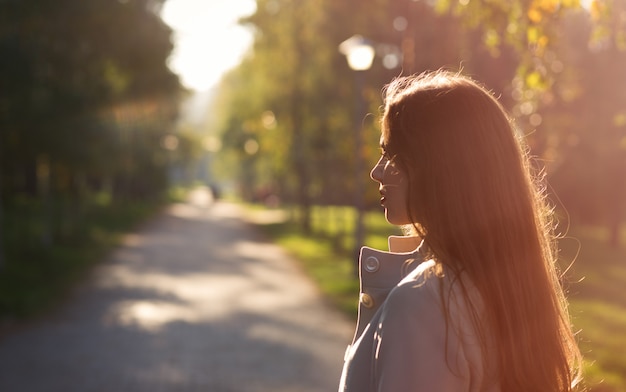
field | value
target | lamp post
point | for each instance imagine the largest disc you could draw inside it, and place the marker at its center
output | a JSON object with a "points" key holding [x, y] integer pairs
{"points": [[360, 54]]}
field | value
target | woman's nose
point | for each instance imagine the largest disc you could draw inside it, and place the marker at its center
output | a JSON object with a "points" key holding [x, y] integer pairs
{"points": [[377, 170]]}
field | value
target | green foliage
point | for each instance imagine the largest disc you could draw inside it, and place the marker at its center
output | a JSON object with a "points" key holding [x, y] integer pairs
{"points": [[86, 104], [554, 64], [85, 86], [526, 26], [296, 74], [36, 276]]}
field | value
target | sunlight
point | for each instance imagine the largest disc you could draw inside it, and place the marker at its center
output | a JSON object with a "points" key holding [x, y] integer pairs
{"points": [[150, 315], [191, 298], [586, 4], [208, 40], [162, 298]]}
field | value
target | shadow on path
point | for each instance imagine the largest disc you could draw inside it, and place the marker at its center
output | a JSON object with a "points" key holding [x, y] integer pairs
{"points": [[193, 302]]}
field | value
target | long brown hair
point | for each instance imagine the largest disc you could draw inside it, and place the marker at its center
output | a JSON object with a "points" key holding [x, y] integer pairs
{"points": [[474, 199]]}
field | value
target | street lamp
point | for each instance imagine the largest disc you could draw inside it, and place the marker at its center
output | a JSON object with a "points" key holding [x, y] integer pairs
{"points": [[360, 54]]}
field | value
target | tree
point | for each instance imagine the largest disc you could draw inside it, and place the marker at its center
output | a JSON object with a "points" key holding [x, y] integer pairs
{"points": [[518, 49], [310, 91], [85, 100], [65, 65]]}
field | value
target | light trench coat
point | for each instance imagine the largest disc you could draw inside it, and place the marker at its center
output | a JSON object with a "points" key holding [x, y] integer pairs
{"points": [[402, 342]]}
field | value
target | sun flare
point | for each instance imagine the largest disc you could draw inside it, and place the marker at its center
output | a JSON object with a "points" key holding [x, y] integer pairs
{"points": [[208, 40]]}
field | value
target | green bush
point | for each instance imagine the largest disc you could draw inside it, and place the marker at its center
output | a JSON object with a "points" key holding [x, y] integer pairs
{"points": [[47, 248]]}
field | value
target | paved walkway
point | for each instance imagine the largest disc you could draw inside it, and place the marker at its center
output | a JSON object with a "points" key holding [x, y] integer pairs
{"points": [[195, 301]]}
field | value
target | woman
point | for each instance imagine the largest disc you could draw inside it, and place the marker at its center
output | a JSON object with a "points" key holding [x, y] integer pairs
{"points": [[471, 300]]}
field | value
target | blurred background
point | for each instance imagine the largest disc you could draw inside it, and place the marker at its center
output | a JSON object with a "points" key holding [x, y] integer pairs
{"points": [[110, 109]]}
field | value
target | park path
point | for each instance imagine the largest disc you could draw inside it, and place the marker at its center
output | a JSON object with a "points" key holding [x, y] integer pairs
{"points": [[194, 301]]}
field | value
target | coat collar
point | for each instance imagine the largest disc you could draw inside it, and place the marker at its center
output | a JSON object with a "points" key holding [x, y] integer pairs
{"points": [[384, 269], [380, 271]]}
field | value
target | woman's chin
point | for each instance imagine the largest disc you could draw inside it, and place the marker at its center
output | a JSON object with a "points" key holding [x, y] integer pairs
{"points": [[395, 220]]}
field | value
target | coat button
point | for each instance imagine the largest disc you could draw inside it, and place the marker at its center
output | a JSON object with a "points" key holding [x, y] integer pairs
{"points": [[367, 300], [371, 264]]}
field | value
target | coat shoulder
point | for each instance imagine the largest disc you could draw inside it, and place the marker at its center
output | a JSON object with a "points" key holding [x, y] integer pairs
{"points": [[418, 291]]}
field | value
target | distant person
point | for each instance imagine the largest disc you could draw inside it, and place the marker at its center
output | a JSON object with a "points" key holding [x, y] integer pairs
{"points": [[215, 191], [470, 299]]}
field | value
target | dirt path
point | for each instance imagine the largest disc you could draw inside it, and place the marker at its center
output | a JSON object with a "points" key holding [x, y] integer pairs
{"points": [[196, 301]]}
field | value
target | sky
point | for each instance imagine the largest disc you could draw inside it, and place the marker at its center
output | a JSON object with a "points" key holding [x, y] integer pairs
{"points": [[207, 39]]}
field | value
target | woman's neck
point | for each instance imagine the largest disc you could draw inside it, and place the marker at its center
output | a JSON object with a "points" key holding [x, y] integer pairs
{"points": [[403, 244]]}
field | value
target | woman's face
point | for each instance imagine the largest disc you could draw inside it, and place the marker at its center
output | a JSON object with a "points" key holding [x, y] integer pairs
{"points": [[393, 189]]}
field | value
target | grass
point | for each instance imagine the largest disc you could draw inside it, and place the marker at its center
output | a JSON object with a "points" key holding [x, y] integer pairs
{"points": [[48, 247], [327, 253], [597, 297], [596, 281]]}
